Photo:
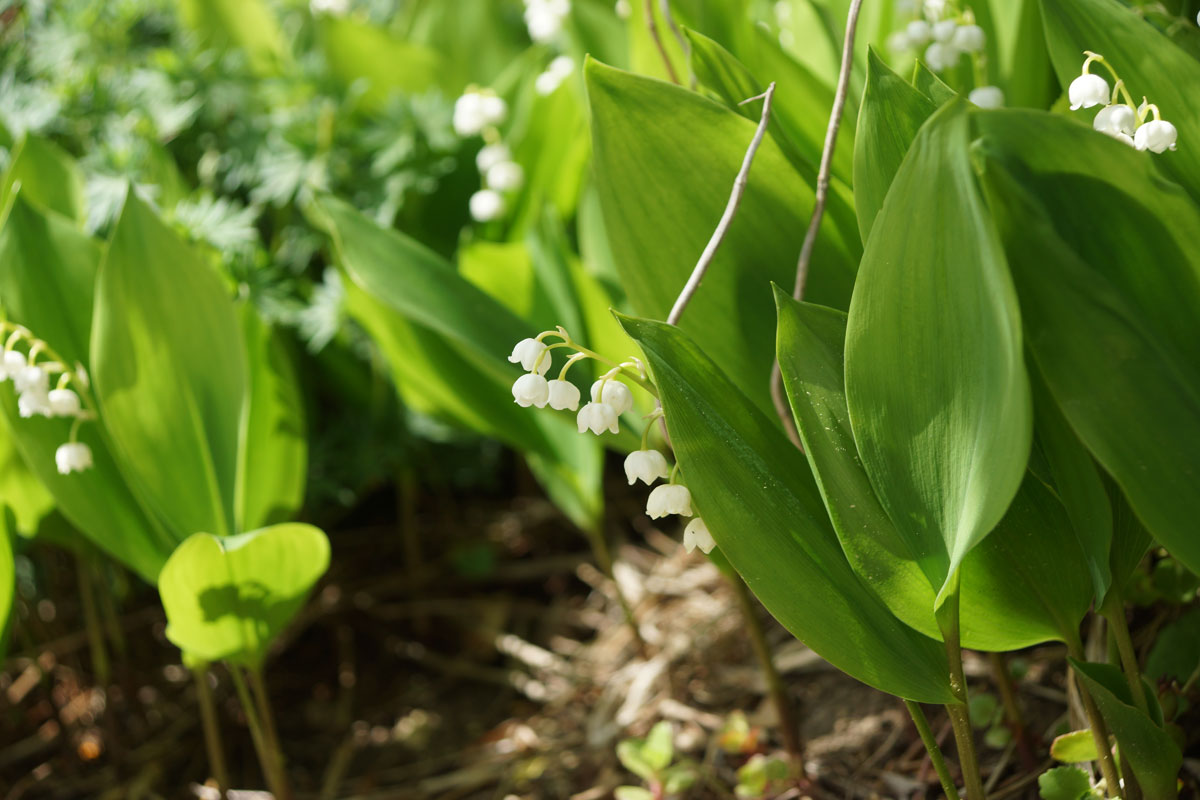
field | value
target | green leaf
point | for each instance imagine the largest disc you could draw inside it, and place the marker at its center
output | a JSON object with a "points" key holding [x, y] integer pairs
{"points": [[629, 753], [247, 25], [757, 495], [935, 378], [1076, 747], [357, 51], [1064, 783], [8, 582], [273, 451], [1146, 59], [1151, 752], [1109, 310], [169, 366], [47, 285], [929, 84], [1028, 76], [20, 489], [892, 113], [659, 748], [632, 793], [228, 598], [1176, 651], [1025, 583], [665, 160], [47, 176]]}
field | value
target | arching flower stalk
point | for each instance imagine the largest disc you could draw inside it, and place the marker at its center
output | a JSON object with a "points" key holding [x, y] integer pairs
{"points": [[31, 371], [1140, 126]]}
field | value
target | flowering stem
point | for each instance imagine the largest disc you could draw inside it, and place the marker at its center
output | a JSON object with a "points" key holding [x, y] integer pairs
{"points": [[931, 747], [212, 732], [271, 736], [266, 757]]}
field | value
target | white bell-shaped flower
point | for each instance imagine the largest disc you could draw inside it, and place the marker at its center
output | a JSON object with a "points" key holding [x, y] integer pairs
{"points": [[944, 31], [969, 38], [544, 18], [486, 205], [1116, 119], [597, 418], [491, 155], [64, 403], [337, 8], [623, 9], [34, 402], [12, 363], [469, 118], [527, 353], [669, 498], [987, 96], [564, 396], [934, 9], [919, 32], [531, 389], [940, 56], [1156, 135], [646, 466], [696, 535], [1088, 90], [616, 395], [505, 176], [897, 42], [557, 72], [31, 378], [494, 109], [72, 457]]}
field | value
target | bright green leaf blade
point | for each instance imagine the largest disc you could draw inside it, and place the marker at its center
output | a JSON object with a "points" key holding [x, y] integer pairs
{"points": [[247, 25], [8, 575], [1146, 59], [273, 451], [46, 285], [665, 160], [892, 113], [935, 378], [1064, 783], [1076, 747], [229, 598], [20, 489], [358, 51], [1150, 751], [929, 84], [758, 497], [632, 793], [1024, 62], [169, 366], [659, 747], [47, 176], [1109, 310]]}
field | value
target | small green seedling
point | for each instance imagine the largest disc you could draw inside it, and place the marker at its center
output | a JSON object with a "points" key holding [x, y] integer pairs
{"points": [[760, 775], [650, 759]]}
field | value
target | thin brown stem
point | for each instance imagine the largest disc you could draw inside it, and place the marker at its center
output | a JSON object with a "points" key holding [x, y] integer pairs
{"points": [[665, 7], [1012, 709], [652, 26], [789, 727], [731, 207]]}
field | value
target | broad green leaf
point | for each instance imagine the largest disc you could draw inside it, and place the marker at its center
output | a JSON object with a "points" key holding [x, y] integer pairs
{"points": [[1026, 583], [47, 176], [929, 84], [552, 145], [1065, 783], [1076, 747], [46, 285], [659, 747], [473, 38], [892, 113], [273, 450], [8, 575], [357, 51], [228, 598], [757, 495], [246, 25], [460, 339], [1146, 59], [1028, 76], [632, 792], [935, 377], [505, 271], [1176, 650], [1150, 751], [169, 367], [665, 160], [20, 489], [1109, 310]]}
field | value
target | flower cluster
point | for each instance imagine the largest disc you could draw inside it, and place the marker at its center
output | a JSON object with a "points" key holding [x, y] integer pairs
{"points": [[942, 36], [479, 112], [337, 8], [553, 76], [609, 399], [1123, 121], [31, 381], [544, 18]]}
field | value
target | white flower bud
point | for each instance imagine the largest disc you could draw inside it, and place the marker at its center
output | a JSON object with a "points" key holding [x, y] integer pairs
{"points": [[486, 205], [1157, 136], [490, 155], [63, 403], [646, 466], [31, 379], [898, 42], [597, 417], [558, 71], [531, 389], [494, 109], [969, 38], [1087, 91], [987, 97], [527, 353], [918, 32], [616, 395], [944, 31], [505, 176], [72, 457], [669, 498], [337, 8], [469, 117], [1115, 119], [544, 19], [12, 363], [33, 402], [940, 57], [623, 9], [935, 8], [564, 396], [696, 535]]}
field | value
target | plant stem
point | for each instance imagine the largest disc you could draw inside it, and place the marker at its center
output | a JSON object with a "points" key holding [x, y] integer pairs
{"points": [[91, 622], [266, 758], [789, 727], [960, 717], [652, 26], [1012, 709], [268, 722], [1108, 767], [212, 733], [931, 746], [1113, 610], [112, 624], [604, 560]]}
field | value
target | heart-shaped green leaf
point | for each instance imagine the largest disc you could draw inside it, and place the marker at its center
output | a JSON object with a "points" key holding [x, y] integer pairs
{"points": [[1065, 783], [228, 598], [1076, 747], [935, 376], [757, 495]]}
